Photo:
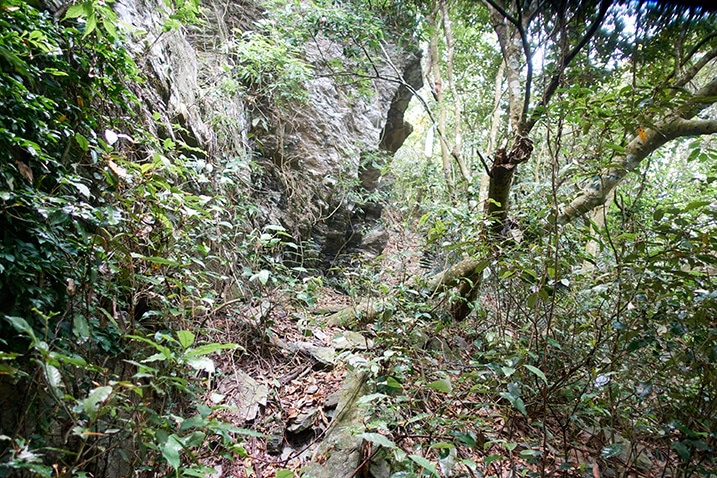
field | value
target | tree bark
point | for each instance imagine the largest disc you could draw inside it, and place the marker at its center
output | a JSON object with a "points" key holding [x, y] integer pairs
{"points": [[493, 133], [456, 151], [438, 96]]}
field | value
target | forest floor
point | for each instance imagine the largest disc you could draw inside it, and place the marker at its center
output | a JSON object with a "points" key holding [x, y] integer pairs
{"points": [[279, 388], [284, 390]]}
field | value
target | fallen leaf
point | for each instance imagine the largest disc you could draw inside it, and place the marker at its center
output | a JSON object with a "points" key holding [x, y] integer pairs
{"points": [[596, 470]]}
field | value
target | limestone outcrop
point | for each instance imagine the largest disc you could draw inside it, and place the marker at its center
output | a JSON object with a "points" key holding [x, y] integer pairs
{"points": [[316, 165]]}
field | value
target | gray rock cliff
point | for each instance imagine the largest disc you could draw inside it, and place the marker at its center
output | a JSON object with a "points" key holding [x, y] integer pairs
{"points": [[319, 161]]}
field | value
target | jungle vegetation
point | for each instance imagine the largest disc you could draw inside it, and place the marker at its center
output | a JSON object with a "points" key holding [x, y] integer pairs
{"points": [[561, 177]]}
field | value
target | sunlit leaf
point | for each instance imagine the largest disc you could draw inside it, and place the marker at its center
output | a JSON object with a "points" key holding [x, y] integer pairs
{"points": [[442, 385], [424, 463], [208, 349], [186, 338], [378, 439], [539, 373], [75, 11], [90, 25], [53, 378], [201, 363], [92, 403], [170, 450]]}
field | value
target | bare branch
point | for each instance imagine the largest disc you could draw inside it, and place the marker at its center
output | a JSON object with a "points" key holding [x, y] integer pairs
{"points": [[697, 47], [555, 80], [689, 75], [504, 13]]}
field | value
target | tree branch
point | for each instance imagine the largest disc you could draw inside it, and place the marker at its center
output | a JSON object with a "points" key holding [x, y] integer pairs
{"points": [[504, 13], [676, 125], [688, 75], [539, 110]]}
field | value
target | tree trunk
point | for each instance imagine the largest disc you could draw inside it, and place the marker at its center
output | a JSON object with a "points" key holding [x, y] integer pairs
{"points": [[438, 96], [493, 133], [456, 151]]}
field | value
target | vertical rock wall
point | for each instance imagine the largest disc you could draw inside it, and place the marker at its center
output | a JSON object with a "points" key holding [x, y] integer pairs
{"points": [[318, 161]]}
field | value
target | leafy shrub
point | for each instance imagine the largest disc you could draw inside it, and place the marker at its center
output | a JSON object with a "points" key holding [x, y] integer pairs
{"points": [[110, 236]]}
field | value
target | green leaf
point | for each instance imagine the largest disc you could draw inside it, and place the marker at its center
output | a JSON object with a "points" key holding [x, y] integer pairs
{"points": [[21, 325], [84, 190], [208, 349], [76, 361], [239, 450], [465, 438], [442, 385], [682, 450], [55, 72], [159, 260], [75, 11], [537, 372], [284, 474], [196, 421], [80, 327], [696, 205], [82, 142], [262, 275], [424, 463], [53, 378], [615, 147], [110, 28], [515, 401], [92, 403], [91, 24], [378, 439], [274, 227], [170, 451], [165, 351], [155, 358], [186, 338], [507, 273], [199, 471], [443, 446], [612, 450], [247, 432]]}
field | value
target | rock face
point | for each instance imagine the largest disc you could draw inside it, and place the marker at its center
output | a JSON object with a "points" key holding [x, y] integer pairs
{"points": [[319, 161], [332, 149]]}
